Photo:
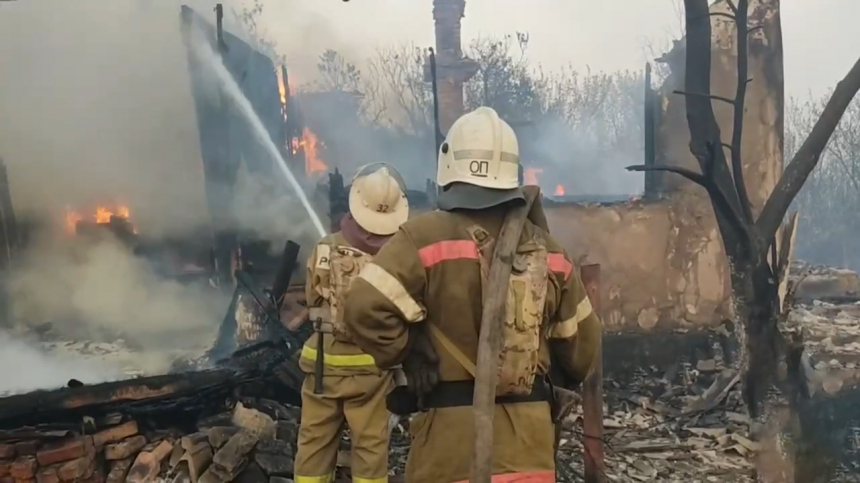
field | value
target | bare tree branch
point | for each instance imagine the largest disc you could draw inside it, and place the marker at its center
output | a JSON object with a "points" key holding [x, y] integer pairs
{"points": [[709, 96], [807, 157], [691, 175], [704, 130], [741, 13]]}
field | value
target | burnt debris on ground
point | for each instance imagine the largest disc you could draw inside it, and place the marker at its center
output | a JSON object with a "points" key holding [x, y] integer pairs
{"points": [[211, 425], [236, 419]]}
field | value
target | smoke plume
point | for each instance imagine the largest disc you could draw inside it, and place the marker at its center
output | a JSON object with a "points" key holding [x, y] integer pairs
{"points": [[45, 371], [97, 109], [100, 291]]}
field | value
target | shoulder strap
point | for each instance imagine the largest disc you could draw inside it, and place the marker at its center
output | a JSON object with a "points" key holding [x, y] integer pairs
{"points": [[485, 241], [452, 349]]}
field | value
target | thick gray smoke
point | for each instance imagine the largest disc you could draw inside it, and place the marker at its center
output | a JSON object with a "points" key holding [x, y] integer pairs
{"points": [[38, 370], [101, 292], [97, 110]]}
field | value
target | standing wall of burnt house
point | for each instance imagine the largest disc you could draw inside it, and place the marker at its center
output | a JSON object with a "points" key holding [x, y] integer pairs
{"points": [[664, 265]]}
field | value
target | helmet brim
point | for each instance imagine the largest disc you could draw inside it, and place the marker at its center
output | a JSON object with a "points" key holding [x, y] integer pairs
{"points": [[472, 197], [374, 221]]}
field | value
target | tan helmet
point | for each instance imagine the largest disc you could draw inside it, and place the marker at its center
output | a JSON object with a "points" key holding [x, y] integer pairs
{"points": [[377, 199], [478, 162]]}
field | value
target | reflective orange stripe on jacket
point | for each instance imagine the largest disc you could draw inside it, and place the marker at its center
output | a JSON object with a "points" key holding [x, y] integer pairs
{"points": [[523, 477], [467, 249]]}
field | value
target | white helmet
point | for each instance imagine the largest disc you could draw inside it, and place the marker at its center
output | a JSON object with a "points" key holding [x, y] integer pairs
{"points": [[479, 162], [377, 199]]}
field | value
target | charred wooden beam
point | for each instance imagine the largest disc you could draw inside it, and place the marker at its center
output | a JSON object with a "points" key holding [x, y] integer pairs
{"points": [[286, 268], [338, 199], [219, 27], [8, 222], [650, 136], [192, 391], [277, 332]]}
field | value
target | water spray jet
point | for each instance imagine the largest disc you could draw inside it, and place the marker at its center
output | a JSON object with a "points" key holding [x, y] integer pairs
{"points": [[232, 89]]}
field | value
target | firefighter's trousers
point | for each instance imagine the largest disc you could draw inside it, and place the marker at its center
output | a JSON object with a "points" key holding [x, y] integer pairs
{"points": [[357, 401], [523, 444]]}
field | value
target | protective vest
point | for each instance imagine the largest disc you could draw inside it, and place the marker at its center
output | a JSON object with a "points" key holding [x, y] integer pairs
{"points": [[343, 264], [524, 313]]}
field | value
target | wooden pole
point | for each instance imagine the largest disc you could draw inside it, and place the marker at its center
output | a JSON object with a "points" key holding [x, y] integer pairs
{"points": [[592, 391], [490, 338]]}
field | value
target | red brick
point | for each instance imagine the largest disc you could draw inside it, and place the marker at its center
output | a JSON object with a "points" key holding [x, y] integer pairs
{"points": [[125, 448], [95, 474], [116, 433], [7, 479], [95, 478], [64, 450], [74, 469], [7, 451], [24, 468], [26, 448], [47, 475], [5, 465], [118, 470]]}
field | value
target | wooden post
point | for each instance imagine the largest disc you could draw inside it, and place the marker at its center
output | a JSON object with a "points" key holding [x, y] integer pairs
{"points": [[650, 136], [338, 200], [490, 337], [592, 391]]}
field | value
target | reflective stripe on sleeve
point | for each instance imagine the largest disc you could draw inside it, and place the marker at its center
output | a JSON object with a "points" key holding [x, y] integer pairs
{"points": [[567, 328], [337, 360], [356, 479], [448, 250], [329, 478], [393, 290], [556, 262]]}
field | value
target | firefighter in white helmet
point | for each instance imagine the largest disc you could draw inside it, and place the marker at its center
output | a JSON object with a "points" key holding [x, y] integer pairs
{"points": [[343, 385], [419, 303]]}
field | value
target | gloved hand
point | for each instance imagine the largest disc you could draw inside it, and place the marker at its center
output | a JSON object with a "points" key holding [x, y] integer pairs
{"points": [[421, 365]]}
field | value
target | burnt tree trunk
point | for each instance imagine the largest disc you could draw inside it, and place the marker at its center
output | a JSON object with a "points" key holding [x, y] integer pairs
{"points": [[756, 263]]}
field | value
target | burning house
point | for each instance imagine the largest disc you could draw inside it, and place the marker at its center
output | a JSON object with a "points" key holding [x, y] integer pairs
{"points": [[231, 415]]}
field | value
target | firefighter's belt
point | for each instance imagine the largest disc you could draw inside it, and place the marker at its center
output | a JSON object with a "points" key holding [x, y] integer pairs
{"points": [[449, 394]]}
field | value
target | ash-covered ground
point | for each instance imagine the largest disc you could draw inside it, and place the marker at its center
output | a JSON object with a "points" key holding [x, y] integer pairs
{"points": [[652, 434]]}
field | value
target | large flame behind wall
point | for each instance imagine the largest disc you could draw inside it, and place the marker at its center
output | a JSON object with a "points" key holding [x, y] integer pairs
{"points": [[309, 142]]}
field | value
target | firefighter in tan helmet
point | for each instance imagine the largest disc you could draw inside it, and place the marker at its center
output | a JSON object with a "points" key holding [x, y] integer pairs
{"points": [[343, 385], [419, 304]]}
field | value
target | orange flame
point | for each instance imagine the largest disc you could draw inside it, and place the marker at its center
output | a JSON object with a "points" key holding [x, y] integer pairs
{"points": [[559, 190], [101, 216], [309, 141], [313, 163], [530, 176], [282, 88]]}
